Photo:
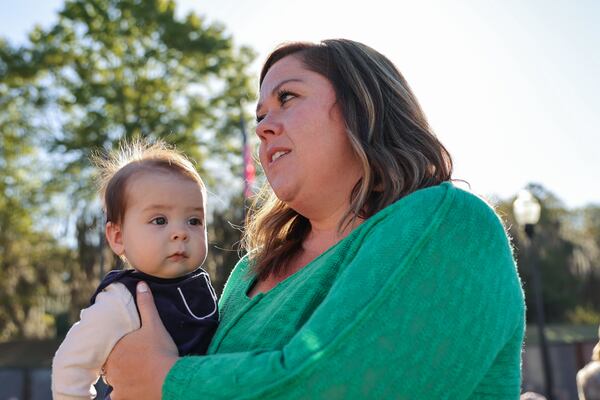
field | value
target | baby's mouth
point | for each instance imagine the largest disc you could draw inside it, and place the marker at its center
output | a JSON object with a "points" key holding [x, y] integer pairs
{"points": [[181, 255]]}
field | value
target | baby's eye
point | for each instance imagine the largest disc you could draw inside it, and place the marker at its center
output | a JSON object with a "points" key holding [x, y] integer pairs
{"points": [[159, 221], [195, 221]]}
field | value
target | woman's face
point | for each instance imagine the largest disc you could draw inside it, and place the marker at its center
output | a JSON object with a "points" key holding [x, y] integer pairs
{"points": [[304, 147]]}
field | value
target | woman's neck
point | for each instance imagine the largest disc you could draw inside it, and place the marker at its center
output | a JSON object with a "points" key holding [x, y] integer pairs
{"points": [[326, 234]]}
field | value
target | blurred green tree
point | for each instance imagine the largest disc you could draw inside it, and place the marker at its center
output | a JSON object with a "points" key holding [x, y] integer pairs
{"points": [[565, 256], [31, 259], [584, 229]]}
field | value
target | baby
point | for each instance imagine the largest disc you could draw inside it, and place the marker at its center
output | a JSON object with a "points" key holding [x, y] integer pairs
{"points": [[155, 221]]}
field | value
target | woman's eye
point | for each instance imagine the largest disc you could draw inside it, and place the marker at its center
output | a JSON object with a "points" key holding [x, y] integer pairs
{"points": [[284, 96], [195, 221], [159, 221]]}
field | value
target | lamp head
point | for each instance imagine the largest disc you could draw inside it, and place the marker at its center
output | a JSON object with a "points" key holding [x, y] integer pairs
{"points": [[526, 208]]}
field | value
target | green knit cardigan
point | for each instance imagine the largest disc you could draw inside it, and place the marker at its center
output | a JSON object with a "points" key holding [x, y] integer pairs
{"points": [[421, 301]]}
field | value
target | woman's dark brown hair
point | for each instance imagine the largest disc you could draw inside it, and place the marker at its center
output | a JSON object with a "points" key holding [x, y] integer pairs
{"points": [[387, 130]]}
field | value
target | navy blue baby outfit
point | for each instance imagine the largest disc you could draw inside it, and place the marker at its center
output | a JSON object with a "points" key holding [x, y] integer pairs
{"points": [[187, 306]]}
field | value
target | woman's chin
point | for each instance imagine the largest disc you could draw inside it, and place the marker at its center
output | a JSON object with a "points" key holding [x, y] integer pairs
{"points": [[286, 199], [283, 192], [293, 202]]}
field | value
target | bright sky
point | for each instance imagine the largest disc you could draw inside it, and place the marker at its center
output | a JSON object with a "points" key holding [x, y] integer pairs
{"points": [[512, 88]]}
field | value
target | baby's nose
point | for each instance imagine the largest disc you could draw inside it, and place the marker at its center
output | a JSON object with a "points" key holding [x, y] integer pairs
{"points": [[179, 234]]}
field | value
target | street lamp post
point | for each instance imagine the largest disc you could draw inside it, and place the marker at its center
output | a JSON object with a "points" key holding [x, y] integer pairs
{"points": [[527, 213]]}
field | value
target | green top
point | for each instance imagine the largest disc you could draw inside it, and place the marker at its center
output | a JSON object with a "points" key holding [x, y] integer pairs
{"points": [[421, 301]]}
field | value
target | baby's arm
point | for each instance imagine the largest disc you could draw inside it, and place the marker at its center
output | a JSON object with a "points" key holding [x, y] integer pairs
{"points": [[77, 362]]}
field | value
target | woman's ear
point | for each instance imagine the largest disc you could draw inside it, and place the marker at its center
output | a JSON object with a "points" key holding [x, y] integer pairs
{"points": [[114, 236]]}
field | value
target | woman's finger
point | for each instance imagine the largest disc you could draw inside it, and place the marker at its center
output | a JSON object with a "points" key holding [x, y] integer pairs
{"points": [[146, 306], [151, 322]]}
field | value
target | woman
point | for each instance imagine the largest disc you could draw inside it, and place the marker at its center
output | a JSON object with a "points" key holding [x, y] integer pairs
{"points": [[368, 274]]}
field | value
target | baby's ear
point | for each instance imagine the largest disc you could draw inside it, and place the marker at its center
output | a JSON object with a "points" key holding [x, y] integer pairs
{"points": [[114, 236]]}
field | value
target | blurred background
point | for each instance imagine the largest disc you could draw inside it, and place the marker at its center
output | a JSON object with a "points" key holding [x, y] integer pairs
{"points": [[511, 88]]}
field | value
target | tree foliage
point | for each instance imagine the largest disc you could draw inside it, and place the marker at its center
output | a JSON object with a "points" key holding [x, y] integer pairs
{"points": [[31, 259], [114, 69], [565, 248]]}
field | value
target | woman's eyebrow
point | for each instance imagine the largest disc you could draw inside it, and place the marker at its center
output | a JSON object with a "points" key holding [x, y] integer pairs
{"points": [[276, 88]]}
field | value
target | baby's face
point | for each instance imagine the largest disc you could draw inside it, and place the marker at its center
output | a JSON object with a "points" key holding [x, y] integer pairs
{"points": [[163, 232]]}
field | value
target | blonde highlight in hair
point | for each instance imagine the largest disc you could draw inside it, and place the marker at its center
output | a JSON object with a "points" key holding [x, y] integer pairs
{"points": [[117, 168], [388, 132]]}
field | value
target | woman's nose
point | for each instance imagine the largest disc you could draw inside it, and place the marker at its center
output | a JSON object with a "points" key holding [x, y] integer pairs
{"points": [[268, 126]]}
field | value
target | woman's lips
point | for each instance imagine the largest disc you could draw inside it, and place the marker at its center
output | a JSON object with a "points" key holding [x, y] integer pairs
{"points": [[278, 154], [275, 153]]}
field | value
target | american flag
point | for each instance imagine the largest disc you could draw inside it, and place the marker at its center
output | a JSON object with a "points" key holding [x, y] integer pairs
{"points": [[249, 170]]}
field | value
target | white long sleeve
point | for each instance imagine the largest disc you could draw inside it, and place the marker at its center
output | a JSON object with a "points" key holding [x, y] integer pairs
{"points": [[78, 360]]}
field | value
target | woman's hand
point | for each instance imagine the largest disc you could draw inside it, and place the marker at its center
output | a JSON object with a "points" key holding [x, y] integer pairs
{"points": [[138, 364]]}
